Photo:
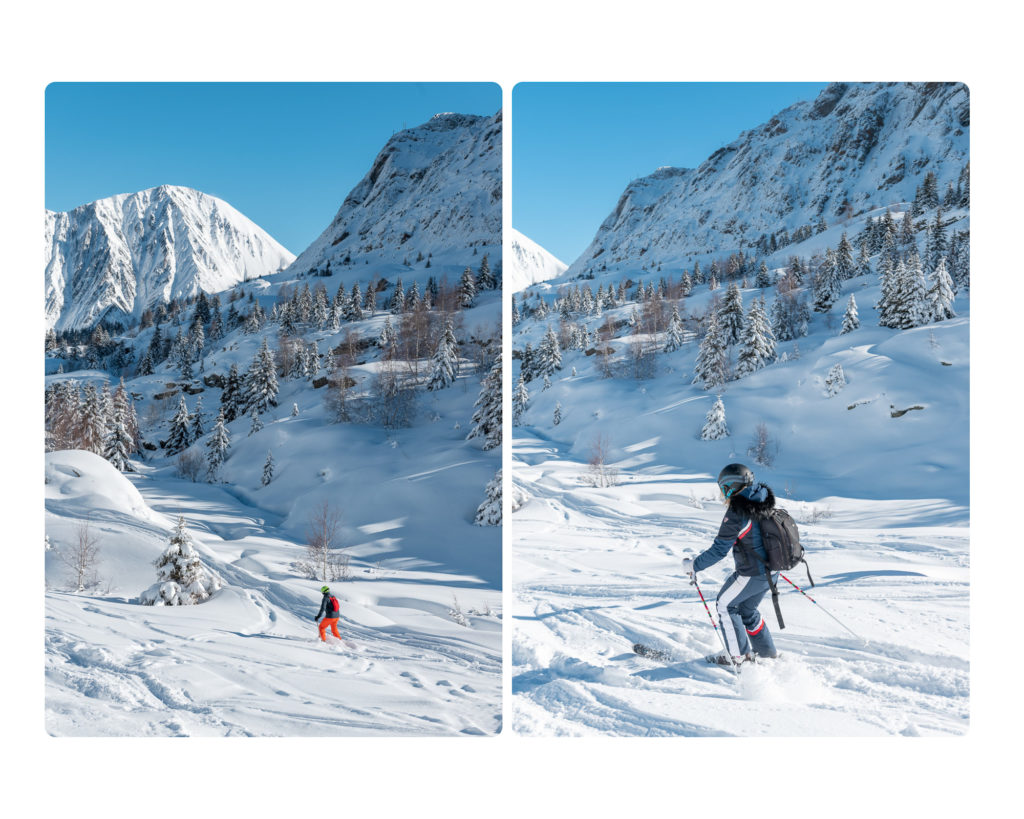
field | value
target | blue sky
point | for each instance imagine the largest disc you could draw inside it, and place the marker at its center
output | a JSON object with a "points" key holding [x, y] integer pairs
{"points": [[284, 154], [575, 146]]}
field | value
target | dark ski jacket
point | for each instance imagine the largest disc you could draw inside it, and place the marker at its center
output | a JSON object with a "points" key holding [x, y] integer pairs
{"points": [[325, 607], [740, 523]]}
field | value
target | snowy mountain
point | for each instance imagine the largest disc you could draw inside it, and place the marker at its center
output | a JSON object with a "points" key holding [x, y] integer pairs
{"points": [[434, 191], [631, 397], [119, 256], [857, 147], [530, 263]]}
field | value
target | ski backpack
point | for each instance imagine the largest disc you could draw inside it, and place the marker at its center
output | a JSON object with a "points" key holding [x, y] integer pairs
{"points": [[781, 541], [334, 607]]}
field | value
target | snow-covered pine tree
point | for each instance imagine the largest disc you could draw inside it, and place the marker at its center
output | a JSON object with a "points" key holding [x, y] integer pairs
{"points": [[715, 426], [179, 436], [549, 354], [764, 276], [674, 332], [182, 579], [845, 267], [835, 380], [467, 289], [909, 296], [217, 446], [255, 422], [268, 469], [231, 395], [520, 401], [487, 409], [827, 285], [731, 316], [485, 278], [937, 246], [196, 431], [940, 294], [489, 512], [710, 369], [757, 343], [261, 381], [387, 340], [119, 443], [850, 319], [295, 410], [445, 362], [557, 417]]}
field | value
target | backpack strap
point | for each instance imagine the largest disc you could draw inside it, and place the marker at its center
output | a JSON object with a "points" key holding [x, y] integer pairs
{"points": [[771, 583]]}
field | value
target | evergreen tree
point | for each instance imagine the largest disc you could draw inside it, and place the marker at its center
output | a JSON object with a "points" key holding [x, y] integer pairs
{"points": [[845, 268], [937, 246], [758, 342], [549, 355], [485, 278], [231, 395], [398, 300], [268, 470], [119, 444], [730, 315], [445, 362], [489, 512], [178, 439], [255, 422], [218, 444], [261, 381], [520, 401], [835, 380], [764, 276], [557, 418], [826, 283], [196, 430], [467, 289], [487, 409], [674, 332], [715, 426], [712, 363], [387, 341], [940, 294], [850, 319], [182, 580]]}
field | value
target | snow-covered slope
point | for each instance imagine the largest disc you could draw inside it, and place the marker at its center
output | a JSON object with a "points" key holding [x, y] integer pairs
{"points": [[248, 662], [118, 256], [433, 191], [857, 147], [529, 262]]}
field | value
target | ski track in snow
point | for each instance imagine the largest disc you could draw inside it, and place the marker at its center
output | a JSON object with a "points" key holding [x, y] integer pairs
{"points": [[115, 668], [596, 570]]}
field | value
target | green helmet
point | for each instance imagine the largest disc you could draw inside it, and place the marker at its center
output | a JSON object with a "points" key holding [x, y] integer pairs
{"points": [[324, 589]]}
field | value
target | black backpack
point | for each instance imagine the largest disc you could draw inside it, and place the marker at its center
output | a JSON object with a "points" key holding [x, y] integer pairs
{"points": [[781, 541]]}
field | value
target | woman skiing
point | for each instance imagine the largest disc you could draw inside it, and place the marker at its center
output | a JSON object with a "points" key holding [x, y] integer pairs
{"points": [[329, 610], [743, 627]]}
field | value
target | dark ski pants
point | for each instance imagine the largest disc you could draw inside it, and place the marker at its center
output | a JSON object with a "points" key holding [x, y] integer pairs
{"points": [[742, 624]]}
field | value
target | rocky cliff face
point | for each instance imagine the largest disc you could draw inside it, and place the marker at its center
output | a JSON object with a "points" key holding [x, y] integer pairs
{"points": [[115, 257], [432, 190], [857, 147]]}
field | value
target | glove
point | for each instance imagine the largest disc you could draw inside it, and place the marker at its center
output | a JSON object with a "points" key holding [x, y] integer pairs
{"points": [[688, 567], [316, 619]]}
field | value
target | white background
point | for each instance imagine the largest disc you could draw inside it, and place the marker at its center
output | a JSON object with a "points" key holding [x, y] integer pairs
{"points": [[518, 41]]}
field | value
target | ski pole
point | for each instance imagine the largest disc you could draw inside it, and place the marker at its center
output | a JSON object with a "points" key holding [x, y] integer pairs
{"points": [[805, 594], [721, 637]]}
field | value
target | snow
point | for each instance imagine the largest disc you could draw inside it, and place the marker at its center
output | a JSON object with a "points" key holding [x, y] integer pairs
{"points": [[530, 263], [119, 256], [876, 477]]}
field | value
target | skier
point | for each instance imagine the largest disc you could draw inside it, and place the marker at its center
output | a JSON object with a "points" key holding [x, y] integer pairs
{"points": [[743, 627], [329, 610]]}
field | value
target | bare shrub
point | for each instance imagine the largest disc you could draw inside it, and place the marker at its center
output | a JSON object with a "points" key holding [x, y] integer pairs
{"points": [[764, 449], [82, 560], [323, 560], [190, 465], [392, 398], [599, 473]]}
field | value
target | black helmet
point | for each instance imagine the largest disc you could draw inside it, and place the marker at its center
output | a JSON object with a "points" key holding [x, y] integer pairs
{"points": [[734, 478]]}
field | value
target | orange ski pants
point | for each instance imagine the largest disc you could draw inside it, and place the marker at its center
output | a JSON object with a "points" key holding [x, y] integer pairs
{"points": [[333, 623]]}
